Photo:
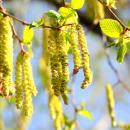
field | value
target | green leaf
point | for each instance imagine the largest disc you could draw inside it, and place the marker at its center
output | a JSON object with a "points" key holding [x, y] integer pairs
{"points": [[122, 49], [77, 4], [12, 100], [53, 14], [37, 23], [111, 28], [68, 14], [28, 34], [113, 43], [85, 113], [128, 46]]}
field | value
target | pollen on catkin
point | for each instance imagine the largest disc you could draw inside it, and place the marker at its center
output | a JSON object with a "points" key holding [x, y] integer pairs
{"points": [[19, 82], [63, 59], [75, 49], [54, 63], [85, 57], [111, 104], [6, 54], [25, 86]]}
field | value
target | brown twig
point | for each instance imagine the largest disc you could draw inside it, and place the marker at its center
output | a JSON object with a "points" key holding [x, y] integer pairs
{"points": [[29, 24], [63, 2], [76, 109], [18, 38]]}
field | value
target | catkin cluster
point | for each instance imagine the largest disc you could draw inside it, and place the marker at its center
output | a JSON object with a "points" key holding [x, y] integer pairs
{"points": [[6, 54], [57, 54], [25, 86], [57, 59], [54, 102], [111, 104]]}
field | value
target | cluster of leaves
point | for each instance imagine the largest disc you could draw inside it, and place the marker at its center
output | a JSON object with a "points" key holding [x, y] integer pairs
{"points": [[114, 29]]}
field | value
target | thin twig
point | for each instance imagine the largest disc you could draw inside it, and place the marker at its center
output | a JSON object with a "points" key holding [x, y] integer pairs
{"points": [[119, 80], [29, 24], [74, 103], [63, 2], [18, 38]]}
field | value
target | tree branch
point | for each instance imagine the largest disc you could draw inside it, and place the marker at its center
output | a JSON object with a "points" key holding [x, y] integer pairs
{"points": [[115, 71]]}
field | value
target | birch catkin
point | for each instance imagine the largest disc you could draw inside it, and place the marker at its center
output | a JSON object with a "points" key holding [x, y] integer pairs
{"points": [[85, 57], [63, 58], [56, 51], [75, 49], [111, 104], [25, 86], [6, 54]]}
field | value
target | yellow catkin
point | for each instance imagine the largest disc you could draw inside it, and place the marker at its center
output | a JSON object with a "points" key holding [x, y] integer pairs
{"points": [[19, 81], [111, 104], [6, 54], [54, 62], [124, 126], [75, 49], [56, 111], [85, 57], [22, 122], [63, 59], [51, 54], [25, 86], [54, 103], [95, 10]]}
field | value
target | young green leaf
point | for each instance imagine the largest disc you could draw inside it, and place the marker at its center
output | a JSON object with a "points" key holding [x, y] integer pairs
{"points": [[122, 49], [85, 113], [77, 4], [37, 23], [53, 14], [68, 14], [27, 35], [111, 28]]}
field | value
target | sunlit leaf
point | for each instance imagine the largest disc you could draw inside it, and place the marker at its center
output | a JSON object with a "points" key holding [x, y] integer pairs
{"points": [[77, 4], [111, 28], [85, 113], [28, 34], [122, 49], [69, 15]]}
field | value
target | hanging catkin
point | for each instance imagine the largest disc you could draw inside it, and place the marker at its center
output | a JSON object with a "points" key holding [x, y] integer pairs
{"points": [[75, 49], [63, 58], [111, 104], [85, 57], [56, 111], [25, 87], [6, 54], [54, 62], [54, 103], [19, 82]]}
